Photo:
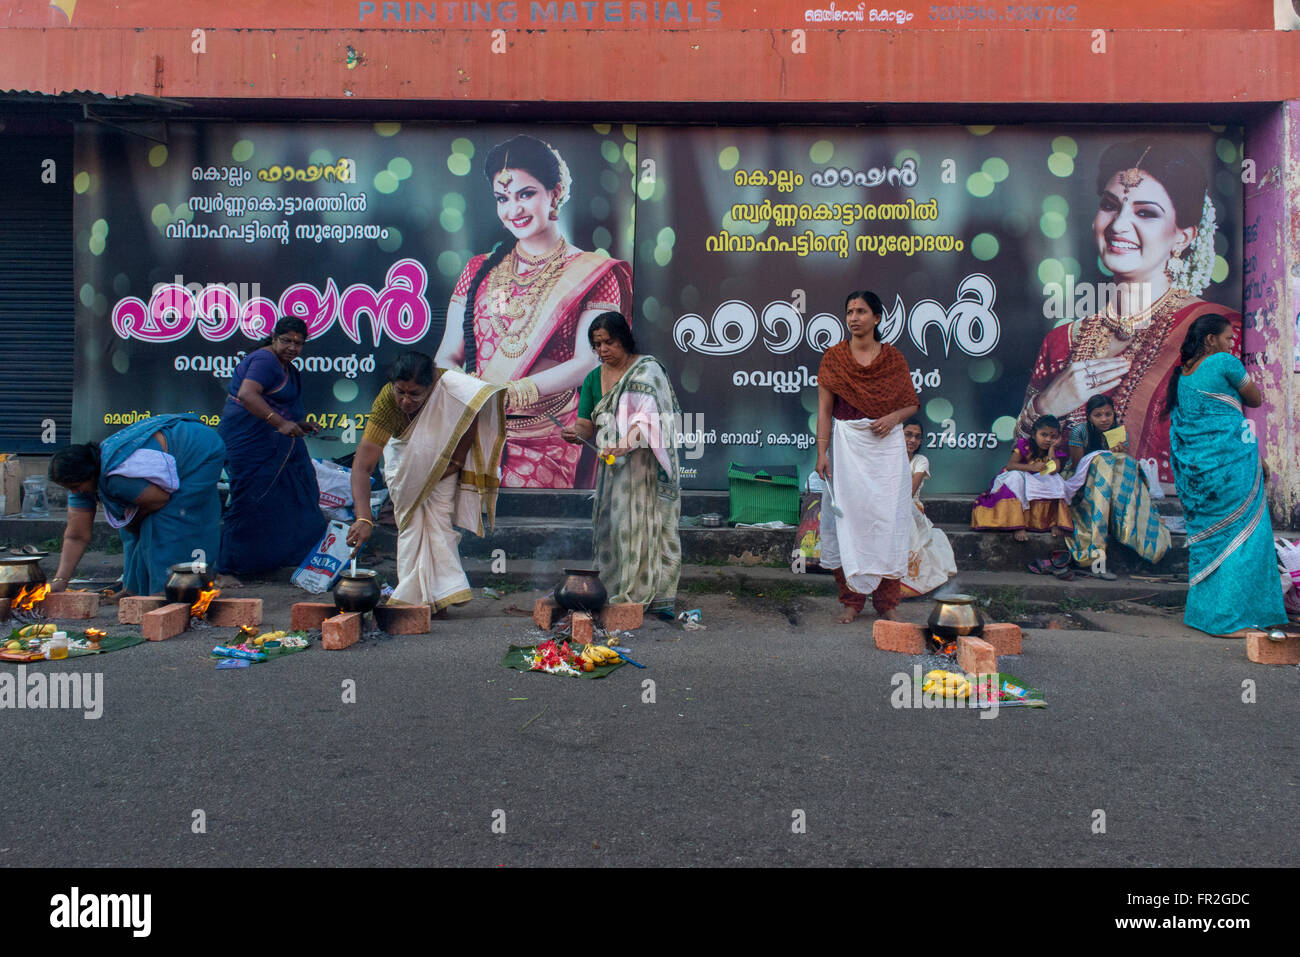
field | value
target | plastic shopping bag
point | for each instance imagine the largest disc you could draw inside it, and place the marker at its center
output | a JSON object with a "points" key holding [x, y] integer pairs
{"points": [[335, 484], [325, 562]]}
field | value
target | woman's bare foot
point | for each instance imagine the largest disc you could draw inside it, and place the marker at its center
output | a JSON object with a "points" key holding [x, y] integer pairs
{"points": [[441, 615], [847, 615], [110, 597], [891, 615], [1057, 532], [1020, 535]]}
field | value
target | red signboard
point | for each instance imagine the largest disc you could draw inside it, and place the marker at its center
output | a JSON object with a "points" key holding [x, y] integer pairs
{"points": [[643, 14]]}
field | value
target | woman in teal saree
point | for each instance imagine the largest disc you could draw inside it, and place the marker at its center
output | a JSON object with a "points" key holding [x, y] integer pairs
{"points": [[157, 480], [1233, 580]]}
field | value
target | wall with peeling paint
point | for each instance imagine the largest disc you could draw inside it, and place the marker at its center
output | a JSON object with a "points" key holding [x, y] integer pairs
{"points": [[1271, 293]]}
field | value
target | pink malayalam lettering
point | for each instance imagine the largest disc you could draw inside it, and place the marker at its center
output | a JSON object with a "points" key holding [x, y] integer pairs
{"points": [[398, 310]]}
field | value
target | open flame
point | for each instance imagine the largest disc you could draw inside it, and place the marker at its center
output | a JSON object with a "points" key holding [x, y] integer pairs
{"points": [[28, 600], [200, 607]]}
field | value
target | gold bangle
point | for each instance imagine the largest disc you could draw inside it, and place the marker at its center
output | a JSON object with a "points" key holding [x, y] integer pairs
{"points": [[367, 521], [58, 578], [269, 414]]}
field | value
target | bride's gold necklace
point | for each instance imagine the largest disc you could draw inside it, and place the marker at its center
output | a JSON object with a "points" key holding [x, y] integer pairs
{"points": [[512, 296], [1126, 327]]}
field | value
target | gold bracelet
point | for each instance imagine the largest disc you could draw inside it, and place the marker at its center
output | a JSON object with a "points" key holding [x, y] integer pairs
{"points": [[58, 578], [269, 414], [367, 521]]}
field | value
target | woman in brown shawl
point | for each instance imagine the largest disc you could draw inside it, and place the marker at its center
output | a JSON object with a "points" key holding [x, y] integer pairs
{"points": [[865, 387]]}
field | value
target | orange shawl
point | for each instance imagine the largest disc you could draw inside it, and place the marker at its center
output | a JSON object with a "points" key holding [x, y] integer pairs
{"points": [[884, 386]]}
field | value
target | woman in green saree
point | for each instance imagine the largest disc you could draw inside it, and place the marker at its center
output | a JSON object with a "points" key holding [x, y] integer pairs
{"points": [[628, 405]]}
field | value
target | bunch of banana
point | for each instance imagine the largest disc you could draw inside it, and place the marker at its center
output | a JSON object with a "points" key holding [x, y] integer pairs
{"points": [[950, 684], [598, 655], [37, 631], [270, 636]]}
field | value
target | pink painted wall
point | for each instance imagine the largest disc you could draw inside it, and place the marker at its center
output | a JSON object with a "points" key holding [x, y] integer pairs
{"points": [[1271, 294]]}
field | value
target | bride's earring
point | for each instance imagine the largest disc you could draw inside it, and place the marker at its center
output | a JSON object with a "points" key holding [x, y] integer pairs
{"points": [[1176, 267]]}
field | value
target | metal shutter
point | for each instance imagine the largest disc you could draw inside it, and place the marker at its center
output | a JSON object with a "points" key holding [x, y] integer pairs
{"points": [[36, 294]]}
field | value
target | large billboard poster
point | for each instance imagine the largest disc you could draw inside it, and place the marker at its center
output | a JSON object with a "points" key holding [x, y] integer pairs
{"points": [[1022, 269], [1004, 258], [187, 252]]}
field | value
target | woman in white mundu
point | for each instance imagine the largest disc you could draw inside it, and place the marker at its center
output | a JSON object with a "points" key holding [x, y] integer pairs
{"points": [[440, 434], [864, 393]]}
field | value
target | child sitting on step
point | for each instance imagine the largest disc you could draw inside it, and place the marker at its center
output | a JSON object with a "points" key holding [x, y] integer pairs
{"points": [[1028, 495]]}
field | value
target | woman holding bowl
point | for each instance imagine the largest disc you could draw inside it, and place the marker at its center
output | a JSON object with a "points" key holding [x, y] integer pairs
{"points": [[1154, 231], [157, 480], [628, 407], [274, 517], [864, 395], [520, 315]]}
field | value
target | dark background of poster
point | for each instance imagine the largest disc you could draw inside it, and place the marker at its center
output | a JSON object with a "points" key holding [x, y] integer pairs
{"points": [[424, 183], [1023, 203]]}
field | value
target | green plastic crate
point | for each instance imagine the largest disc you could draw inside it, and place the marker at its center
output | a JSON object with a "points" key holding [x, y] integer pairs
{"points": [[763, 494]]}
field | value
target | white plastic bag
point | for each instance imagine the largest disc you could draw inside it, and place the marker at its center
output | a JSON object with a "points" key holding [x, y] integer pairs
{"points": [[1152, 471], [1288, 555], [319, 569], [335, 483]]}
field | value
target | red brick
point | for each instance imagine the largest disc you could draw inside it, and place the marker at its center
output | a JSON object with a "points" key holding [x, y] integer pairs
{"points": [[975, 656], [167, 622], [1005, 638], [1261, 650], [308, 615], [70, 604], [234, 612], [625, 616], [545, 611], [396, 618], [132, 609], [901, 636], [341, 631], [583, 628]]}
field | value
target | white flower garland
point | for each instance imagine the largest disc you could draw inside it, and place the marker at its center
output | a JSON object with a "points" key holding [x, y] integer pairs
{"points": [[1194, 272]]}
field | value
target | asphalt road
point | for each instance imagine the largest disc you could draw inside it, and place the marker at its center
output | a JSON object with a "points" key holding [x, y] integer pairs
{"points": [[771, 711]]}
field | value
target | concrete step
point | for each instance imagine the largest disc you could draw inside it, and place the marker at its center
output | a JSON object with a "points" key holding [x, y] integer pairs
{"points": [[549, 539], [575, 503], [553, 538]]}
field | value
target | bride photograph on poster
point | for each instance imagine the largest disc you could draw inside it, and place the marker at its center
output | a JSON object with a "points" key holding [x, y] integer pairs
{"points": [[520, 312], [1153, 235]]}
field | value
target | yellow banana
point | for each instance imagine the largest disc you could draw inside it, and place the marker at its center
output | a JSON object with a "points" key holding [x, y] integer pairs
{"points": [[37, 631]]}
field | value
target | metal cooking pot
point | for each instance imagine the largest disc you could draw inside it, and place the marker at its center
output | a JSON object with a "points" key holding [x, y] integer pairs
{"points": [[186, 582], [17, 571], [357, 592], [952, 617], [581, 590]]}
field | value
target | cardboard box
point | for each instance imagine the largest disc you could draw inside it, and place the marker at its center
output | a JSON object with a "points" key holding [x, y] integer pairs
{"points": [[11, 475]]}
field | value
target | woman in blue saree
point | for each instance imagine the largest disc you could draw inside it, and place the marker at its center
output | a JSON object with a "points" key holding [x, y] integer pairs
{"points": [[274, 517], [157, 480], [1233, 583]]}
